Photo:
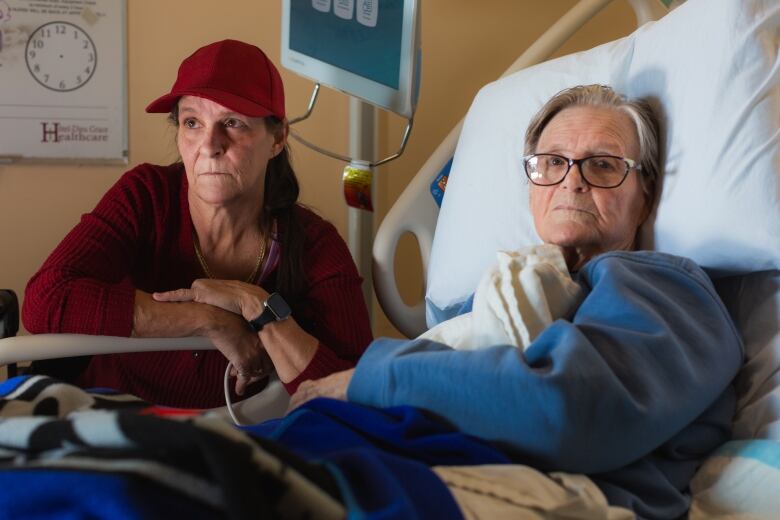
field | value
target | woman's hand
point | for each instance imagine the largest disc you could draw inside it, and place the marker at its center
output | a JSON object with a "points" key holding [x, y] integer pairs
{"points": [[228, 330], [291, 349], [241, 298], [333, 386], [242, 347]]}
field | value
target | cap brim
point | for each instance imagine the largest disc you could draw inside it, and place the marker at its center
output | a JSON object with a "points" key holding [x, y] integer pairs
{"points": [[163, 104], [238, 104]]}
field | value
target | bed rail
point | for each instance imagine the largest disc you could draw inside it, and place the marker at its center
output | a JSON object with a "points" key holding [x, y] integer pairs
{"points": [[271, 403]]}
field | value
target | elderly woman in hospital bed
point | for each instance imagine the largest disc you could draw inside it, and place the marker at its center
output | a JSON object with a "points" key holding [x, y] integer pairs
{"points": [[226, 215], [633, 387], [578, 214]]}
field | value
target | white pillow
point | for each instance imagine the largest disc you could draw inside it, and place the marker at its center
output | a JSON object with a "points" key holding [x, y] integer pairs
{"points": [[712, 67]]}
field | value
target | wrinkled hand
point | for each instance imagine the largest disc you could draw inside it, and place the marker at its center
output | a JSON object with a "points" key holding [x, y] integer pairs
{"points": [[231, 295], [242, 347], [228, 330], [333, 386]]}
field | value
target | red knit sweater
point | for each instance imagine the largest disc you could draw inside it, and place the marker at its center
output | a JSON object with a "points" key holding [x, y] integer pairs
{"points": [[140, 237]]}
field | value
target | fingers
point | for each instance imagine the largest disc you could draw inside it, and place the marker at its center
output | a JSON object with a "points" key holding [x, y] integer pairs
{"points": [[246, 378], [179, 295], [248, 360], [225, 294], [306, 392], [334, 386], [187, 294], [241, 383], [255, 375]]}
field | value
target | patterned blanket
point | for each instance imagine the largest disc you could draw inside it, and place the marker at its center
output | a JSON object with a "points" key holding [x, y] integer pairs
{"points": [[66, 452]]}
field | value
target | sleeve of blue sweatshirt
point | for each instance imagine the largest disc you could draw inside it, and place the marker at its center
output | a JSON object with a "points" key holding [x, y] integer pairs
{"points": [[648, 350]]}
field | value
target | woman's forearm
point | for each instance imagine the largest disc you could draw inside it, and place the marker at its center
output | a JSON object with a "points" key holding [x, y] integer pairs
{"points": [[57, 301], [290, 347], [152, 319]]}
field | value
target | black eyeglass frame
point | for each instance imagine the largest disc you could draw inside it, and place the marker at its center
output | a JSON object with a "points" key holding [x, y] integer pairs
{"points": [[630, 165]]}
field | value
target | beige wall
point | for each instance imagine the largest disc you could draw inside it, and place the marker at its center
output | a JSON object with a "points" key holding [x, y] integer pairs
{"points": [[465, 44]]}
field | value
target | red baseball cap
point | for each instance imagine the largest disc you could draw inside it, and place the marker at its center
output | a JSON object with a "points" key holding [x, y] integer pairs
{"points": [[234, 74]]}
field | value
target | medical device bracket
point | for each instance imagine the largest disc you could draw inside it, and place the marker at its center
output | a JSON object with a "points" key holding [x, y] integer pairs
{"points": [[334, 155]]}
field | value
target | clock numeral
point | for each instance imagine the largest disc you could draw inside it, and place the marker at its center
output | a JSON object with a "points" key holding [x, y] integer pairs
{"points": [[42, 41]]}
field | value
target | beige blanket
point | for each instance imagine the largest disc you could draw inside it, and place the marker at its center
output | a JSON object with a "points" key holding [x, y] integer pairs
{"points": [[517, 298]]}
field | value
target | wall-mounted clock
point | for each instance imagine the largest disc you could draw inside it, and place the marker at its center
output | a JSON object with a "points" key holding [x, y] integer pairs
{"points": [[61, 56]]}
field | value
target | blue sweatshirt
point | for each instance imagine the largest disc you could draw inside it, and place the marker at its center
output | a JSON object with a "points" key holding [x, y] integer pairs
{"points": [[633, 391]]}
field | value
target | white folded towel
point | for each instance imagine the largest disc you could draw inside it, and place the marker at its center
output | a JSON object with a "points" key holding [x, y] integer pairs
{"points": [[517, 298]]}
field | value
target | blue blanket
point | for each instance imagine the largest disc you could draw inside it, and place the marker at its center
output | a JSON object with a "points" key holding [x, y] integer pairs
{"points": [[381, 457]]}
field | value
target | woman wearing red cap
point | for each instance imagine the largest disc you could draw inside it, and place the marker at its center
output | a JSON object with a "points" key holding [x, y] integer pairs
{"points": [[226, 216]]}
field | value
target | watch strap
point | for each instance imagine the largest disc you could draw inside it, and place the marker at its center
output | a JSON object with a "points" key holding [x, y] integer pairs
{"points": [[266, 317]]}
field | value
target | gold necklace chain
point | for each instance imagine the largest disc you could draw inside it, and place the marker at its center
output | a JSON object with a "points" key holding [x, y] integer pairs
{"points": [[205, 266]]}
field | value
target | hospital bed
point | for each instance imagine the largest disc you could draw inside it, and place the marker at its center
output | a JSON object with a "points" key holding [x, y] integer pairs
{"points": [[720, 205], [713, 72]]}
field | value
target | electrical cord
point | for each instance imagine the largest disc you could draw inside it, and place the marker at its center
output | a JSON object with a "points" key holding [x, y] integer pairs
{"points": [[228, 402]]}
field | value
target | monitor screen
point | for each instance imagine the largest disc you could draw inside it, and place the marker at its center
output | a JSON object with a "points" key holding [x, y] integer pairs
{"points": [[366, 48]]}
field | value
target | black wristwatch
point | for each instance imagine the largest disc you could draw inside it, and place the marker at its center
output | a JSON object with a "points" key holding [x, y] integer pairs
{"points": [[275, 309]]}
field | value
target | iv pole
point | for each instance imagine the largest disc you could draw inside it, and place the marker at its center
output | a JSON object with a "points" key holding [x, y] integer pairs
{"points": [[360, 223]]}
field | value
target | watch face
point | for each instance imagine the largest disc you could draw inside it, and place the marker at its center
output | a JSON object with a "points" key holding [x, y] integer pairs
{"points": [[61, 56], [278, 306]]}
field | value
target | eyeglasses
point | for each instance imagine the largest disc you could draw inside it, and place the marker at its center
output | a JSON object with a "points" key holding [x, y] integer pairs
{"points": [[600, 171]]}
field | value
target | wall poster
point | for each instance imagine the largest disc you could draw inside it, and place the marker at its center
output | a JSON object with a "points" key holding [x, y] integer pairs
{"points": [[63, 86]]}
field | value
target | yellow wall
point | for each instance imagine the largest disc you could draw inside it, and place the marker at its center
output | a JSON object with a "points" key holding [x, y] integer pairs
{"points": [[465, 45]]}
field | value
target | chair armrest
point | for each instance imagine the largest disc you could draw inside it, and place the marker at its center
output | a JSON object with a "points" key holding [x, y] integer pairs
{"points": [[9, 313]]}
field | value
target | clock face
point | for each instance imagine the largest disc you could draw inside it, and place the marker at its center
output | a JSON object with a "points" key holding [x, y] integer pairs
{"points": [[61, 56]]}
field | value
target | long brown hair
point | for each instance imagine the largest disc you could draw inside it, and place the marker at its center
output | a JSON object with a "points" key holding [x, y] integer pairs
{"points": [[280, 201]]}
